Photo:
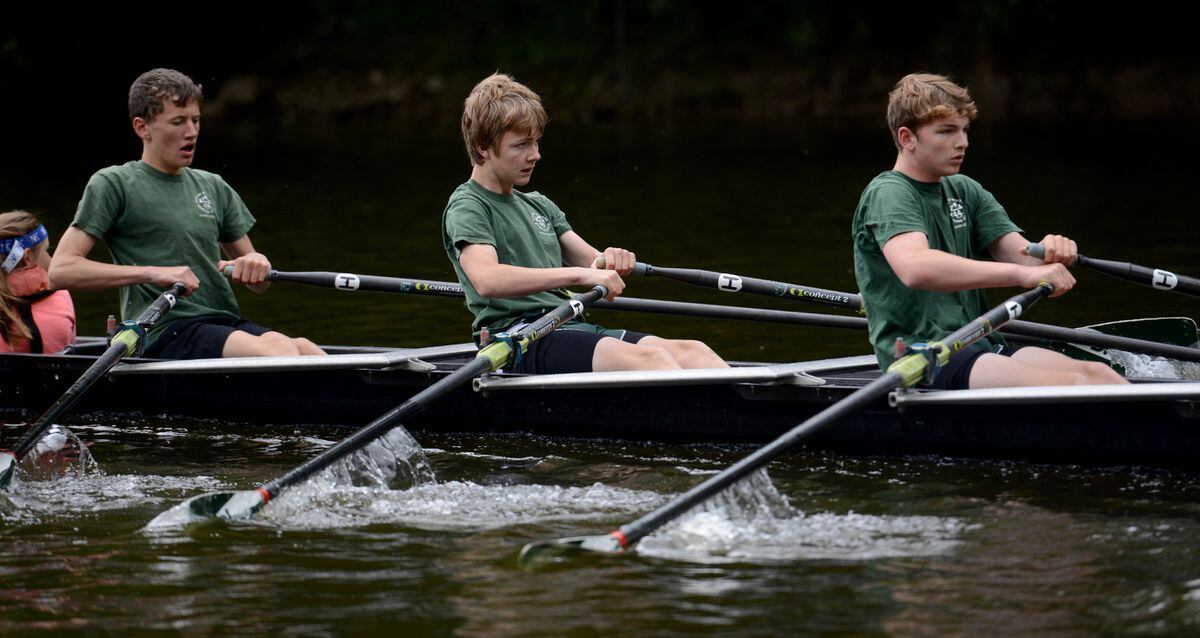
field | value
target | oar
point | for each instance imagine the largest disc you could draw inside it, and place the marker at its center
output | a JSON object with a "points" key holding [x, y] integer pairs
{"points": [[923, 362], [124, 342], [365, 283], [1153, 277], [235, 505], [374, 283], [736, 283]]}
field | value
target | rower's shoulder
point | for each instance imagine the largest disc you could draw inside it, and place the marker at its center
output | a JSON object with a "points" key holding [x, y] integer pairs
{"points": [[960, 182], [204, 177]]}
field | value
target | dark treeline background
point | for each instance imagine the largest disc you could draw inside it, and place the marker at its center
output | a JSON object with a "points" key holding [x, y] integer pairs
{"points": [[321, 61]]}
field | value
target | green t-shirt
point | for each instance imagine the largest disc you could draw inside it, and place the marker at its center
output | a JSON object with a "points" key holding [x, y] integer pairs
{"points": [[959, 217], [523, 227], [149, 218]]}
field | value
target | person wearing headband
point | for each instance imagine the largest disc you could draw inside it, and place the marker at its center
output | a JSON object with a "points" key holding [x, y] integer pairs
{"points": [[165, 222], [33, 318]]}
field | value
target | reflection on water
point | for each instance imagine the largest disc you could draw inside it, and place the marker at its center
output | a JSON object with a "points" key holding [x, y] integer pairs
{"points": [[829, 544]]}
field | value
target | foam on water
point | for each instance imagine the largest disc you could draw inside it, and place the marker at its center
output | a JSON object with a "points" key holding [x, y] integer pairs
{"points": [[1150, 367], [752, 522], [453, 505], [96, 492]]}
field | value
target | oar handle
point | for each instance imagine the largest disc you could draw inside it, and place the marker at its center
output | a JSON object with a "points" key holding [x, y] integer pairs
{"points": [[1034, 249], [1154, 277]]}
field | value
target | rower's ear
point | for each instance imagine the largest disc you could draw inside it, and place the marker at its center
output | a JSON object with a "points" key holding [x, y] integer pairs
{"points": [[141, 128]]}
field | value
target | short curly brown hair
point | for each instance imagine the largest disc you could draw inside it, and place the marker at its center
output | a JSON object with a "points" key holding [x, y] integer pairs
{"points": [[149, 94], [496, 105], [920, 98]]}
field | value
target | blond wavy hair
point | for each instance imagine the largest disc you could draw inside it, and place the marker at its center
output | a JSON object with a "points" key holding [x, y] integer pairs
{"points": [[496, 105], [920, 98]]}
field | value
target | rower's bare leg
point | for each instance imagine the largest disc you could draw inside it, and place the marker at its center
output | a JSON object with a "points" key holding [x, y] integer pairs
{"points": [[613, 354], [270, 344], [1095, 372], [1036, 367], [686, 352]]}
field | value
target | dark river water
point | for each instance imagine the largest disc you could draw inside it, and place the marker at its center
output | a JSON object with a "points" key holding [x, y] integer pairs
{"points": [[831, 544]]}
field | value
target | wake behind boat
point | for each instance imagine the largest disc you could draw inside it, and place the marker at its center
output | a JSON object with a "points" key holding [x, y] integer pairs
{"points": [[1151, 423]]}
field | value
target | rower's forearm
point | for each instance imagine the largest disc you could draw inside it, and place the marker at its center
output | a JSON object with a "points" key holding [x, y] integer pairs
{"points": [[505, 281], [80, 273], [939, 271]]}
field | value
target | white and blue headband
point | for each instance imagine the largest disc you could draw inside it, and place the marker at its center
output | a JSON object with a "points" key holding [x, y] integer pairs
{"points": [[14, 247]]}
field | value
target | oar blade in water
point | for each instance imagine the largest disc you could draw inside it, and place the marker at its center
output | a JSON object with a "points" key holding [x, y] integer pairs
{"points": [[551, 551], [8, 467], [210, 506]]}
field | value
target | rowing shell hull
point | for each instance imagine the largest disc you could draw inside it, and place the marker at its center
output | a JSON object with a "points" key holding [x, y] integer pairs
{"points": [[1153, 432]]}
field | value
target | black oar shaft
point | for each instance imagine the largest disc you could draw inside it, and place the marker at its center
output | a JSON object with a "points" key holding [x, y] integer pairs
{"points": [[123, 343], [379, 426], [688, 309], [1133, 273], [1100, 340], [904, 373], [369, 283], [492, 357], [1027, 329], [736, 283], [642, 527]]}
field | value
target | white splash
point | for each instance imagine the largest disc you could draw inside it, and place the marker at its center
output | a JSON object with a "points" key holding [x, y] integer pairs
{"points": [[752, 522], [58, 454], [453, 505], [1151, 367], [392, 461]]}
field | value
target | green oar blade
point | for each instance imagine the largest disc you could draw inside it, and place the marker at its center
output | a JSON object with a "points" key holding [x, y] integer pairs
{"points": [[544, 552]]}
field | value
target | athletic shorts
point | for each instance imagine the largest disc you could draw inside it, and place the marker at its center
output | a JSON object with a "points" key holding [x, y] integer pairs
{"points": [[200, 337], [956, 374], [569, 348]]}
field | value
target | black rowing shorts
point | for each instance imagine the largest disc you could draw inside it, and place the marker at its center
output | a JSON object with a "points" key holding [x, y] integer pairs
{"points": [[200, 337], [956, 374], [569, 349]]}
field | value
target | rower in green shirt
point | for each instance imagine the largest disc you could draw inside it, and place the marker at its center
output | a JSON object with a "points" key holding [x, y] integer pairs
{"points": [[515, 253], [928, 240], [165, 222]]}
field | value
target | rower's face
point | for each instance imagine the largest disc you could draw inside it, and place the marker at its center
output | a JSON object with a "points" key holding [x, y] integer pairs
{"points": [[940, 146], [169, 140], [41, 254], [513, 159]]}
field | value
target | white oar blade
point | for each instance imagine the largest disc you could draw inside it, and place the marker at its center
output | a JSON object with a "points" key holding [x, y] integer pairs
{"points": [[209, 507]]}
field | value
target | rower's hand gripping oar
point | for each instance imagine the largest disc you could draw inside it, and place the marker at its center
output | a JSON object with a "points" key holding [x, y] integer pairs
{"points": [[922, 362], [127, 340], [1152, 277], [503, 349]]}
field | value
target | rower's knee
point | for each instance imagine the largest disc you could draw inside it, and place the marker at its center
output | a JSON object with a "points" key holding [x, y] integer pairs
{"points": [[1095, 373], [652, 358], [304, 346], [689, 353], [274, 344]]}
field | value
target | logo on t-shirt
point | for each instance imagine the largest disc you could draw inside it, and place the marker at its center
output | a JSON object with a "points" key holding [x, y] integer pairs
{"points": [[958, 215], [204, 203], [542, 223]]}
